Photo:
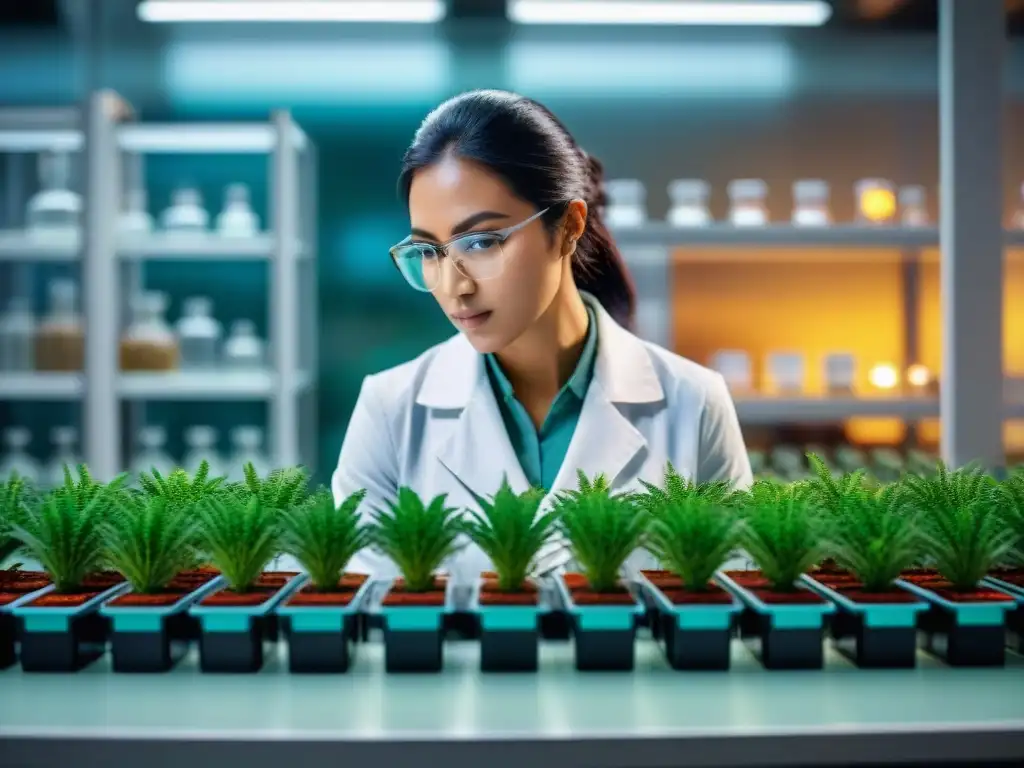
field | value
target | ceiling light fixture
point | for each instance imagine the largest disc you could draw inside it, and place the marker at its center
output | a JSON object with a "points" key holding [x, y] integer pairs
{"points": [[399, 11], [797, 13]]}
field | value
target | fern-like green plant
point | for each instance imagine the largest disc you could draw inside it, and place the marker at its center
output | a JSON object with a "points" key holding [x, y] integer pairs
{"points": [[16, 496], [241, 535], [964, 534], [418, 537], [84, 489], [771, 490], [279, 490], [64, 533], [602, 529], [829, 492], [783, 536], [149, 541], [873, 538], [323, 536], [509, 529], [675, 488], [1011, 503], [693, 537]]}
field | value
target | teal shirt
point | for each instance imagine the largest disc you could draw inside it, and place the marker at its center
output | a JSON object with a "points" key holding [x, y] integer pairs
{"points": [[541, 452]]}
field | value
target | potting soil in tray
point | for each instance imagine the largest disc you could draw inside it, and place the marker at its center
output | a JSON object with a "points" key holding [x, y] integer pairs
{"points": [[586, 596], [65, 599], [103, 580], [979, 595], [574, 581], [760, 587], [17, 584], [920, 575], [398, 595], [857, 595], [714, 595], [257, 594], [663, 579], [491, 595], [341, 595], [1013, 576]]}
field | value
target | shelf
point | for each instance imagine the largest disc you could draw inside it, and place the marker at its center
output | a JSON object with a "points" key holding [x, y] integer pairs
{"points": [[205, 138], [208, 246], [811, 409], [41, 386], [214, 385], [21, 245]]}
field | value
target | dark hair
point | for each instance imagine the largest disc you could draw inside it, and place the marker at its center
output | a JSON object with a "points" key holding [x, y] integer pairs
{"points": [[527, 146]]}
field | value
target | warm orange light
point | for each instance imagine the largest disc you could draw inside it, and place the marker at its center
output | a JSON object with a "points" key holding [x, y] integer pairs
{"points": [[877, 204], [884, 376], [918, 375]]}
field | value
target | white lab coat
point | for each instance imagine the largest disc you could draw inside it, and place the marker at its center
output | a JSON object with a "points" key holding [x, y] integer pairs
{"points": [[422, 422]]}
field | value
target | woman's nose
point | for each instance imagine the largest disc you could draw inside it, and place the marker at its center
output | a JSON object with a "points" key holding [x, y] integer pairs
{"points": [[453, 281]]}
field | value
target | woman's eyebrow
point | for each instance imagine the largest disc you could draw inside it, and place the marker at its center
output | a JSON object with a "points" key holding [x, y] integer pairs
{"points": [[463, 225]]}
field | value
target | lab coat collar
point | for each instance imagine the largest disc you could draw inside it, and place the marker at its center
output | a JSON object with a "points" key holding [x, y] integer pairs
{"points": [[623, 369]]}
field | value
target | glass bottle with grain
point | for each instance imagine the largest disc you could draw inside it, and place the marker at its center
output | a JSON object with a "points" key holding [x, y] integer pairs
{"points": [[149, 343], [60, 343]]}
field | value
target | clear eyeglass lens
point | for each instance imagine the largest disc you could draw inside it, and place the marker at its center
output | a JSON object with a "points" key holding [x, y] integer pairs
{"points": [[478, 257]]}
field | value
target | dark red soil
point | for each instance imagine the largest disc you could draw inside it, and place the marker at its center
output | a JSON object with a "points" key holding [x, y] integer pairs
{"points": [[148, 600], [256, 595], [103, 580], [397, 595], [663, 579], [857, 595], [22, 582], [797, 597], [491, 595], [980, 595], [1013, 576], [917, 575], [715, 595], [749, 579], [574, 581], [346, 589], [64, 600], [585, 596]]}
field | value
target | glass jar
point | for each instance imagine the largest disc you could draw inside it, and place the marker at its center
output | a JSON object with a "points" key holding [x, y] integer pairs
{"points": [[64, 440], [689, 199], [810, 203], [786, 372], [1018, 215], [201, 445], [913, 209], [149, 344], [840, 372], [734, 365], [55, 209], [135, 218], [151, 454], [876, 201], [199, 334], [748, 203], [237, 218], [60, 342], [186, 214], [627, 203], [18, 337], [244, 350], [16, 460], [247, 448]]}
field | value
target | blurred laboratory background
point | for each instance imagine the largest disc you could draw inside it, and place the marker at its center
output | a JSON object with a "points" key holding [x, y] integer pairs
{"points": [[196, 210]]}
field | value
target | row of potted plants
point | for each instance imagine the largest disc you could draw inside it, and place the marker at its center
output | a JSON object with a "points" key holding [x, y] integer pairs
{"points": [[190, 555]]}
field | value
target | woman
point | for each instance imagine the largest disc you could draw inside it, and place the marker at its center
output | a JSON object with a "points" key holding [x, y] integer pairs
{"points": [[544, 378]]}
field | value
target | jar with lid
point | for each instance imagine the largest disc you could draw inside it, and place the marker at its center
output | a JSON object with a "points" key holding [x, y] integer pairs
{"points": [[840, 372], [244, 350], [810, 203], [55, 209], [734, 365], [786, 372], [748, 203], [627, 203], [149, 344], [151, 454], [199, 334], [913, 210], [237, 218], [17, 337], [60, 342], [186, 214], [876, 201], [135, 218], [689, 199]]}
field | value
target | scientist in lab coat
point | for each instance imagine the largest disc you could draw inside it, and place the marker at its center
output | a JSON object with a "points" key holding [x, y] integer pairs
{"points": [[543, 377]]}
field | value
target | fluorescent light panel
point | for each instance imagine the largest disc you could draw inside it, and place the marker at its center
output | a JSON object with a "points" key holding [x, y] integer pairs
{"points": [[794, 13], [407, 11]]}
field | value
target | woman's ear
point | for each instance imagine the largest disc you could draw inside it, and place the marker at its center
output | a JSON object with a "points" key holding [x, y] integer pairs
{"points": [[574, 226]]}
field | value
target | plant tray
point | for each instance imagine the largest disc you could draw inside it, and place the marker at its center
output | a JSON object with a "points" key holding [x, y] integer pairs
{"points": [[693, 636], [232, 637], [1015, 587], [604, 635], [963, 634], [781, 636], [508, 633], [414, 634], [1015, 628], [322, 638], [142, 638], [10, 625], [650, 581], [872, 635], [63, 638]]}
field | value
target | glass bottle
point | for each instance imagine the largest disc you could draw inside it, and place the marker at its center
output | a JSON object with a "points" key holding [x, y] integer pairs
{"points": [[186, 214], [913, 210], [810, 203], [747, 203], [135, 219], [840, 373], [244, 350], [55, 209], [151, 453], [64, 440], [60, 342], [18, 337], [17, 460], [199, 334], [237, 218], [1018, 216], [201, 442], [734, 365], [149, 344], [689, 198], [627, 200], [786, 372], [876, 201], [247, 447]]}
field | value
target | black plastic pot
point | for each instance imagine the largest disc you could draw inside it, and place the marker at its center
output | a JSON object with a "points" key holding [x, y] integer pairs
{"points": [[322, 639], [604, 640], [414, 635], [693, 637], [8, 633], [509, 634], [1015, 629]]}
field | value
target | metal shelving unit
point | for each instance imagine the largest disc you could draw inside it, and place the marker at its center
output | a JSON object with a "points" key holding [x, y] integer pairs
{"points": [[111, 264]]}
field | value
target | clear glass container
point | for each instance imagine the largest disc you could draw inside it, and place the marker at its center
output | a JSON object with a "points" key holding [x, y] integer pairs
{"points": [[748, 203], [186, 214], [244, 350], [65, 440], [627, 203], [1018, 215], [55, 209], [689, 203], [840, 372], [810, 203], [201, 444], [135, 219], [913, 206], [60, 341], [18, 337], [16, 458], [876, 201], [786, 372], [735, 367], [246, 448], [199, 334], [149, 343], [237, 219], [151, 453]]}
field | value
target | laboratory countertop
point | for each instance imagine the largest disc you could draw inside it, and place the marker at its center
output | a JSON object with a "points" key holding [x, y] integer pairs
{"points": [[653, 716]]}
